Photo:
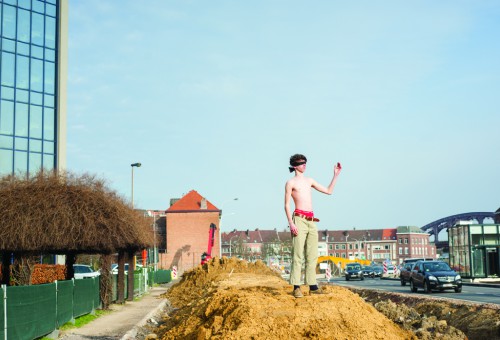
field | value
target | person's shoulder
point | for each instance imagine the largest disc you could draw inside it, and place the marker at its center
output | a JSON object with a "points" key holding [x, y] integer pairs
{"points": [[309, 179]]}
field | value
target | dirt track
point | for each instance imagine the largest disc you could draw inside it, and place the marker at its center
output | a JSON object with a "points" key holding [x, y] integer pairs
{"points": [[233, 299]]}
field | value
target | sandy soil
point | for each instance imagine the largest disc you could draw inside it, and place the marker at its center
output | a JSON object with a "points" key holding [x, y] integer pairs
{"points": [[234, 299], [231, 299], [422, 314]]}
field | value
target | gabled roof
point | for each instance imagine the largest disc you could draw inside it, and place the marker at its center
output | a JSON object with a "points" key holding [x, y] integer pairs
{"points": [[192, 202]]}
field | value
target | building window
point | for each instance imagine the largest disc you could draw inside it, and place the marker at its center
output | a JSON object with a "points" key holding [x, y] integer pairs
{"points": [[28, 75], [406, 250], [400, 250], [330, 246], [400, 240], [343, 246], [336, 247], [387, 247], [406, 241]]}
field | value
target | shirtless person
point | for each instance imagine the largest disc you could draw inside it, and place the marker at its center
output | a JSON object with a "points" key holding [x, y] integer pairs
{"points": [[301, 222]]}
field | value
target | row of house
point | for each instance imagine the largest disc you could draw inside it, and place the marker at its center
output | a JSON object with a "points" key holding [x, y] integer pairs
{"points": [[183, 234], [377, 245]]}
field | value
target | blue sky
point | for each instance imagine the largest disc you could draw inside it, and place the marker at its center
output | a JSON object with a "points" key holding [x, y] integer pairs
{"points": [[216, 95]]}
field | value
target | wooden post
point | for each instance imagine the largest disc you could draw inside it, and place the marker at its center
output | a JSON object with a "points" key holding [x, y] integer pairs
{"points": [[121, 277], [69, 262], [131, 269], [6, 268], [105, 282]]}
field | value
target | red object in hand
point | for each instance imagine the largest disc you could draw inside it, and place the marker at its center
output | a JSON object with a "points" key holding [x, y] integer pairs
{"points": [[339, 166]]}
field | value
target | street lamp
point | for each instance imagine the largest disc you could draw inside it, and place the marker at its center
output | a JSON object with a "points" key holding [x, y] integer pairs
{"points": [[230, 247], [359, 243], [133, 165], [220, 225], [156, 214]]}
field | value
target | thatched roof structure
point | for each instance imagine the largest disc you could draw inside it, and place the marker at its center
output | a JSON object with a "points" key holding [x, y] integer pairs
{"points": [[60, 214]]}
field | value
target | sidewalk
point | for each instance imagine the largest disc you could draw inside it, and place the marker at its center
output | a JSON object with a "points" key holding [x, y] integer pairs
{"points": [[125, 320]]}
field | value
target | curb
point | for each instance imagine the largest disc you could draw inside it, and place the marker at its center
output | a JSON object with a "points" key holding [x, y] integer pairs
{"points": [[131, 334]]}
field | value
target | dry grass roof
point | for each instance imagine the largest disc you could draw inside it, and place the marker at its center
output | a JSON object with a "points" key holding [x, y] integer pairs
{"points": [[63, 213]]}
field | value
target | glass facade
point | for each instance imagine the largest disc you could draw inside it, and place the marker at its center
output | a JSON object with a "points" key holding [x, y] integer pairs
{"points": [[29, 85], [475, 250]]}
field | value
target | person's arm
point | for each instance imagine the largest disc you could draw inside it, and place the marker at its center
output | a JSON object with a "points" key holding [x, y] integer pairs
{"points": [[330, 188], [288, 195]]}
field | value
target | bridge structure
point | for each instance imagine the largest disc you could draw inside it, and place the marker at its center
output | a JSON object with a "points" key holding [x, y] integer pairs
{"points": [[436, 227]]}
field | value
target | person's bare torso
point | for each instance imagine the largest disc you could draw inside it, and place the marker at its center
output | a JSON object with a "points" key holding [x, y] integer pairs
{"points": [[302, 193]]}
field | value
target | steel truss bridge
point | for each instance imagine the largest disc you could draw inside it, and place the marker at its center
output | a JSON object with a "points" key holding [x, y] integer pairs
{"points": [[436, 227]]}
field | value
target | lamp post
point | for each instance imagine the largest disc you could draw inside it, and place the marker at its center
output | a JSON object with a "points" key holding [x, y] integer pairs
{"points": [[133, 165], [346, 234], [360, 243], [230, 247], [220, 225]]}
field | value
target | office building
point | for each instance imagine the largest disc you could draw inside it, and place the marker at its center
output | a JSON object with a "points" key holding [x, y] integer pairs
{"points": [[33, 72]]}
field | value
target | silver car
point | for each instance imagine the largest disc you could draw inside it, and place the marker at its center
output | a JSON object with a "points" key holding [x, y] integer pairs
{"points": [[82, 271]]}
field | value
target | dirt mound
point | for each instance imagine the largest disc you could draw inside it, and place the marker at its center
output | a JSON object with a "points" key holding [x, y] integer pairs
{"points": [[232, 299], [433, 317]]}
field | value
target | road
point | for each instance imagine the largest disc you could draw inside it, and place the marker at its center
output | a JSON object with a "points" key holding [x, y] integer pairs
{"points": [[469, 293]]}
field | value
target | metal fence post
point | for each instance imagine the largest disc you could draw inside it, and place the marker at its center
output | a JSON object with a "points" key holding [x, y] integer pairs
{"points": [[57, 299], [4, 288]]}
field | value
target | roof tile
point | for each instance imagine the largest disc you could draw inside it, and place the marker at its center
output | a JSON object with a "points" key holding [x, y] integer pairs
{"points": [[191, 201]]}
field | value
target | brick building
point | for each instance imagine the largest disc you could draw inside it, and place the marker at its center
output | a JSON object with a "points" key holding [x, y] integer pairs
{"points": [[375, 245], [413, 242], [187, 231]]}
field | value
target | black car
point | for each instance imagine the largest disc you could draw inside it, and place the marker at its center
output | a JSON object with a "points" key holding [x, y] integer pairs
{"points": [[431, 275], [368, 271], [378, 270], [353, 271]]}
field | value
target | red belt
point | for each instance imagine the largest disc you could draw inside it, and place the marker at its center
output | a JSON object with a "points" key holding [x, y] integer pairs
{"points": [[309, 218]]}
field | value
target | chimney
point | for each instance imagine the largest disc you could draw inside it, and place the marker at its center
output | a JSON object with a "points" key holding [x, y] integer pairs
{"points": [[203, 204]]}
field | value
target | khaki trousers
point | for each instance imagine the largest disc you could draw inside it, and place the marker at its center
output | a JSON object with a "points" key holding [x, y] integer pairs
{"points": [[304, 247]]}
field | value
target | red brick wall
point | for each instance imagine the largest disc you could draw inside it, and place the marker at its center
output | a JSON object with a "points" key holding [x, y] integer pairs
{"points": [[187, 239]]}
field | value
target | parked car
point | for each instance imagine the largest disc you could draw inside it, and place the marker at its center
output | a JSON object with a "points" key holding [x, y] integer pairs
{"points": [[405, 273], [368, 271], [114, 268], [353, 271], [378, 270], [431, 275], [83, 271]]}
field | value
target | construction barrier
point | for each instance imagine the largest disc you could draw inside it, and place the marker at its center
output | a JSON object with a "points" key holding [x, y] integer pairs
{"points": [[342, 261], [30, 312]]}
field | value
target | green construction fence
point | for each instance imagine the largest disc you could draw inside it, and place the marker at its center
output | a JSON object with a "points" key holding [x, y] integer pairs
{"points": [[30, 312]]}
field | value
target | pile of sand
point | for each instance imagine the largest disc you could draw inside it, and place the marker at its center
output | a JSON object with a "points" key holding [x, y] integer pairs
{"points": [[432, 317], [232, 299]]}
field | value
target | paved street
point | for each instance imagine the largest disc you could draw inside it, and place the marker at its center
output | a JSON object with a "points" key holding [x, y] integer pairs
{"points": [[474, 293]]}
